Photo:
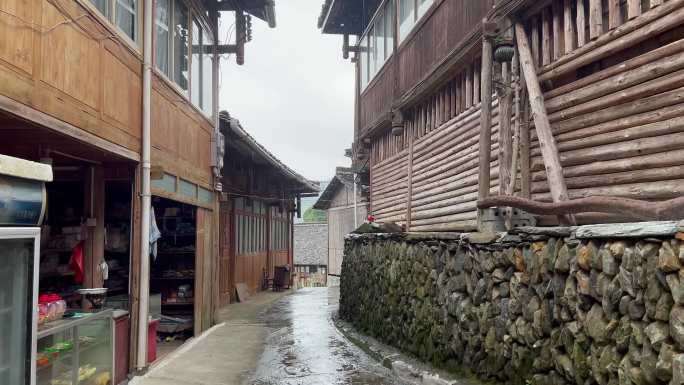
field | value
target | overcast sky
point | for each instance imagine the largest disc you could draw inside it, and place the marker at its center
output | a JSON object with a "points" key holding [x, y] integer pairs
{"points": [[295, 93]]}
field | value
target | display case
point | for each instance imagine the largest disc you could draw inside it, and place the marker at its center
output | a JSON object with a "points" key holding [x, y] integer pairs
{"points": [[77, 351]]}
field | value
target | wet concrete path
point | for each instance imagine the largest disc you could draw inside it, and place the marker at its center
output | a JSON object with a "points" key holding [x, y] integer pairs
{"points": [[305, 348]]}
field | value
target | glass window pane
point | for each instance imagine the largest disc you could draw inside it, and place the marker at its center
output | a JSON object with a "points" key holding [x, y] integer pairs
{"points": [[207, 74], [126, 19], [196, 65], [101, 5], [162, 36], [406, 17], [389, 27], [180, 45], [363, 62], [372, 54], [380, 39], [423, 6]]}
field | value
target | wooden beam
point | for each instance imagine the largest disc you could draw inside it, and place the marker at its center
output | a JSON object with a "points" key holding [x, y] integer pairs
{"points": [[559, 191], [633, 9], [614, 14], [546, 37], [568, 26]]}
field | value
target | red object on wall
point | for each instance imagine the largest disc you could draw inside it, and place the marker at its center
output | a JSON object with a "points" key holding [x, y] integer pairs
{"points": [[122, 327], [76, 262], [152, 341]]}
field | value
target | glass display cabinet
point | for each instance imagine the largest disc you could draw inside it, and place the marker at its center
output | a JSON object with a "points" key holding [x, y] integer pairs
{"points": [[76, 351]]}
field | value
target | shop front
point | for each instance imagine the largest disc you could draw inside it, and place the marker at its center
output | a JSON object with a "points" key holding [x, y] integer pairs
{"points": [[83, 280]]}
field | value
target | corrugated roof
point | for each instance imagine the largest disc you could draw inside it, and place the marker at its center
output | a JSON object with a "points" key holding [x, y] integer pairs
{"points": [[233, 125]]}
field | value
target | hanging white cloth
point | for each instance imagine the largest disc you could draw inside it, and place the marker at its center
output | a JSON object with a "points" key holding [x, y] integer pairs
{"points": [[155, 234]]}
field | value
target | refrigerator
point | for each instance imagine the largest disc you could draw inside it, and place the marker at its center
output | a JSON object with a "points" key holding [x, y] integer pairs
{"points": [[19, 262]]}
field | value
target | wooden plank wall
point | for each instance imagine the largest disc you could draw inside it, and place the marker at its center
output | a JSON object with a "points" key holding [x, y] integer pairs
{"points": [[75, 72], [63, 59], [376, 99]]}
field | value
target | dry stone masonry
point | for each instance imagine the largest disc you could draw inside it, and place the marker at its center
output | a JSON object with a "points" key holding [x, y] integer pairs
{"points": [[524, 308]]}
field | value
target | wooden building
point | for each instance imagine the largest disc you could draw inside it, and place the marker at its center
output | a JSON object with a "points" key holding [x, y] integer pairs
{"points": [[339, 203], [555, 107], [82, 87], [258, 205]]}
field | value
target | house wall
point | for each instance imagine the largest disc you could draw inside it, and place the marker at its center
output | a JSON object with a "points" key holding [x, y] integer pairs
{"points": [[612, 89], [341, 223]]}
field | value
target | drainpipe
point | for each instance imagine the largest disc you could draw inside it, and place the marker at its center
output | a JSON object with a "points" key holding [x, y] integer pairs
{"points": [[144, 309]]}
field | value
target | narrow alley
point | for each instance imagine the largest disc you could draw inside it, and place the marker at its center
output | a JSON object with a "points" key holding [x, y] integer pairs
{"points": [[273, 338]]}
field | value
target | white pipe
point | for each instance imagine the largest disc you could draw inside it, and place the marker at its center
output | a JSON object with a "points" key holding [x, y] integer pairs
{"points": [[356, 209], [144, 278]]}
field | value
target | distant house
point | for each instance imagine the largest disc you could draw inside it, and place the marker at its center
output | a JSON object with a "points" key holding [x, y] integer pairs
{"points": [[311, 253], [338, 200]]}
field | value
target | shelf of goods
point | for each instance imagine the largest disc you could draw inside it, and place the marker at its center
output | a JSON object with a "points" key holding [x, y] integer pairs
{"points": [[76, 350]]}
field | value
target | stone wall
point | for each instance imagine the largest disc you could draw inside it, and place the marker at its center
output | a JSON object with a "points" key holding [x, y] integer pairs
{"points": [[523, 308]]}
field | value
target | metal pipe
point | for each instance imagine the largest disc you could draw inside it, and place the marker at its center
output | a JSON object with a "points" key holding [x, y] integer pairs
{"points": [[144, 277]]}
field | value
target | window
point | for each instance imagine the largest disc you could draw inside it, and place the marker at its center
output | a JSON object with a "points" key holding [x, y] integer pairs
{"points": [[122, 13], [377, 44], [163, 42], [180, 45], [196, 77], [126, 11], [207, 74], [188, 65], [410, 11]]}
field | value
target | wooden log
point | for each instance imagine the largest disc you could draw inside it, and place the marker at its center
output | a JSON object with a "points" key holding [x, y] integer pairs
{"points": [[557, 10], [476, 84], [595, 19], [409, 190], [616, 112], [625, 177], [663, 159], [634, 93], [637, 62], [662, 190], [655, 3], [543, 126], [568, 26], [464, 179], [614, 14], [515, 69], [465, 143], [441, 169], [670, 126], [454, 124], [505, 143], [468, 207], [627, 35], [620, 150], [486, 119], [581, 24], [633, 9], [546, 37], [534, 38], [449, 226], [469, 87], [525, 172], [638, 79], [448, 173], [447, 218], [670, 209]]}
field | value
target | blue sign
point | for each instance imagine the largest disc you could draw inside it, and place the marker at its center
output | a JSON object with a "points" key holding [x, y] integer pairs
{"points": [[22, 201]]}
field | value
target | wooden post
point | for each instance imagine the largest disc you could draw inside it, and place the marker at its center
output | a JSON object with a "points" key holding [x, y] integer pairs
{"points": [[94, 209], [554, 171], [614, 14], [568, 26], [595, 19], [409, 187], [505, 145], [486, 120], [581, 24]]}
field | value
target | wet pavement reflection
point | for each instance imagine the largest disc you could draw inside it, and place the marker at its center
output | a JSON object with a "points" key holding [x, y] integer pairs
{"points": [[306, 348]]}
